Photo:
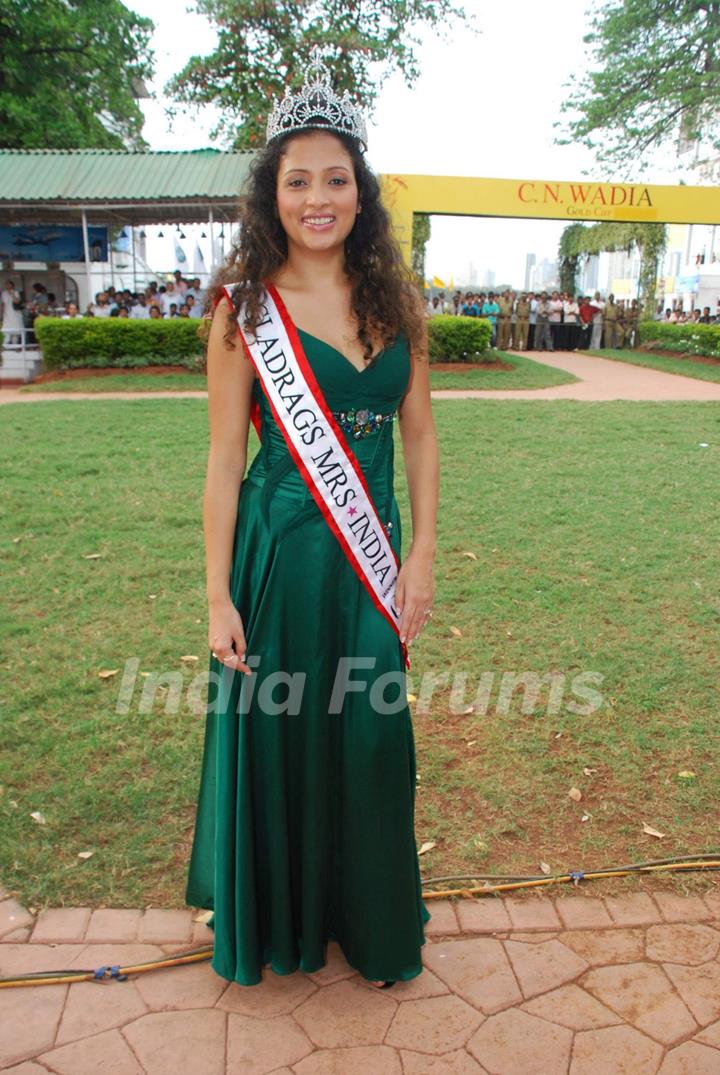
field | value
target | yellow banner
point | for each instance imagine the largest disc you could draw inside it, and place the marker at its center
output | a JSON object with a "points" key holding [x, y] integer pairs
{"points": [[581, 201]]}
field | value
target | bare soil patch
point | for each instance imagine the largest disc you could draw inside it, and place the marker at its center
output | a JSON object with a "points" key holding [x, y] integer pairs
{"points": [[705, 360], [110, 371], [462, 367]]}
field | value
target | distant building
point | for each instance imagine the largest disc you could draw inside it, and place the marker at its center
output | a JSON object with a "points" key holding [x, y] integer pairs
{"points": [[688, 276], [530, 261], [544, 276], [588, 277], [623, 274]]}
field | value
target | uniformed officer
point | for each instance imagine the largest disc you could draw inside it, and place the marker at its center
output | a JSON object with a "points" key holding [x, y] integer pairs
{"points": [[621, 325], [522, 310], [632, 316], [503, 330], [610, 319]]}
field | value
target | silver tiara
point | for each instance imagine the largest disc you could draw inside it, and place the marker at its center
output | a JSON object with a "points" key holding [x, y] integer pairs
{"points": [[316, 104]]}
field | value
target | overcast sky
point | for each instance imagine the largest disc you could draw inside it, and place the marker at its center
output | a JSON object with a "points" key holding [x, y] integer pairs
{"points": [[484, 105]]}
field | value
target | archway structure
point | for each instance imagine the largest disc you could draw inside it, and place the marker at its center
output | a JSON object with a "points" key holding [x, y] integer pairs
{"points": [[542, 199]]}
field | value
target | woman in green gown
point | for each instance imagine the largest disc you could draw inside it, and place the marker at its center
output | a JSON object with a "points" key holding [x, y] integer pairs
{"points": [[305, 816]]}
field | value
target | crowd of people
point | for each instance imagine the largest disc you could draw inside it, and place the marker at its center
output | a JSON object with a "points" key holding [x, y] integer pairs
{"points": [[555, 321], [520, 321], [179, 297], [677, 316]]}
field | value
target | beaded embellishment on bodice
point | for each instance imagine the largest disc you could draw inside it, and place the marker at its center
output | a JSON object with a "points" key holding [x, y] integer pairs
{"points": [[361, 422]]}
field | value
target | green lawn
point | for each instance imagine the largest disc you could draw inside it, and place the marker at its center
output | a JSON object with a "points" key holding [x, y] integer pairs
{"points": [[125, 382], [525, 374], [594, 532], [688, 367]]}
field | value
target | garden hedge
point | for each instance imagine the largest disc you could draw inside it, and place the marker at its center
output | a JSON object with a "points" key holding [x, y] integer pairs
{"points": [[122, 342], [691, 339], [97, 342], [459, 339]]}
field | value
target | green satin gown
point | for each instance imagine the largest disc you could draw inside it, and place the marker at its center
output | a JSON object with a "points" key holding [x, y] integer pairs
{"points": [[305, 819]]}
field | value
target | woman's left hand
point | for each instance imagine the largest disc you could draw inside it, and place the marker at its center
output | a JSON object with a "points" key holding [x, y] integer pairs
{"points": [[414, 592]]}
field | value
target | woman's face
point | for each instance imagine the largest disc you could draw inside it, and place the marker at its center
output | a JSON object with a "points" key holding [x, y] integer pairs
{"points": [[317, 196]]}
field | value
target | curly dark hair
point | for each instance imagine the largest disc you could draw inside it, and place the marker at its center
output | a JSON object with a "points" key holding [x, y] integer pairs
{"points": [[385, 298]]}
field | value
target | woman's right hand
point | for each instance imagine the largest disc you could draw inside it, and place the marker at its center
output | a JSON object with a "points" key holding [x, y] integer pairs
{"points": [[226, 636]]}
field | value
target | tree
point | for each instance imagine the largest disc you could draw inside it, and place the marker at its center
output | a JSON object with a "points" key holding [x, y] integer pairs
{"points": [[263, 48], [570, 255], [69, 74], [655, 75], [420, 236], [579, 241]]}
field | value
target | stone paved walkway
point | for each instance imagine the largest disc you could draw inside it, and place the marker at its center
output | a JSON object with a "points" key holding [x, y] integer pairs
{"points": [[600, 379], [569, 985]]}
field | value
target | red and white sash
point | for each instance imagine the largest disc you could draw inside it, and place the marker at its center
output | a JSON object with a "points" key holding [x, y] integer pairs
{"points": [[317, 445]]}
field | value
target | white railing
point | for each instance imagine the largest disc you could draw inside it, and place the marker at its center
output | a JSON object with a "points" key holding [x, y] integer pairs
{"points": [[21, 360], [16, 340]]}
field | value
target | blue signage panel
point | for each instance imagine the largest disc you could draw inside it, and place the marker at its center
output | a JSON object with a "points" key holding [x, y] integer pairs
{"points": [[61, 242]]}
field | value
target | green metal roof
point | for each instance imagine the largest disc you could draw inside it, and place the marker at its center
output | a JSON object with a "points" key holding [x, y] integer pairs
{"points": [[150, 187]]}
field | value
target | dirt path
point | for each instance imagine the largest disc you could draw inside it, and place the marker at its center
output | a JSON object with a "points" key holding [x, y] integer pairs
{"points": [[600, 379], [14, 395]]}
